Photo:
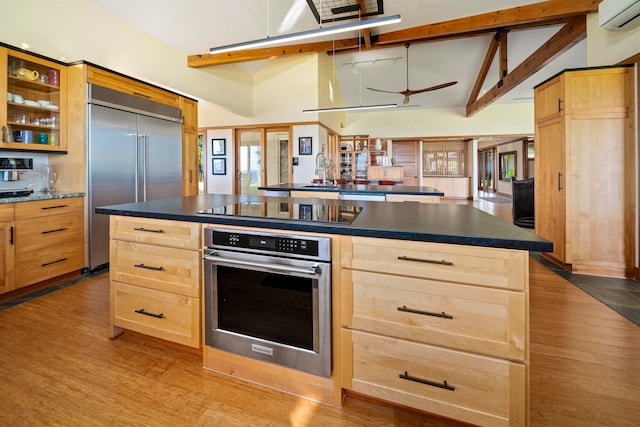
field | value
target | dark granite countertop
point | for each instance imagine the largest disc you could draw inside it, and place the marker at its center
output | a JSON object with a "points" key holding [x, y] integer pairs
{"points": [[356, 189], [440, 223], [39, 196]]}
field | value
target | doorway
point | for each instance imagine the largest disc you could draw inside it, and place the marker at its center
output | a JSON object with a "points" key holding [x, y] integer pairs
{"points": [[486, 170], [263, 159]]}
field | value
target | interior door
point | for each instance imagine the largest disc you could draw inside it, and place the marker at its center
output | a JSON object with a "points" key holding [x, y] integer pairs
{"points": [[249, 169], [277, 162], [407, 154], [486, 169]]}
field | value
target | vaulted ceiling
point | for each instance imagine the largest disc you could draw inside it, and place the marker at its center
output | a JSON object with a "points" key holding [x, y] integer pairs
{"points": [[496, 50]]}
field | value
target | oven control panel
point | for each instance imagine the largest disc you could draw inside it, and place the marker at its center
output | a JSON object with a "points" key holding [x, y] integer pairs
{"points": [[305, 246]]}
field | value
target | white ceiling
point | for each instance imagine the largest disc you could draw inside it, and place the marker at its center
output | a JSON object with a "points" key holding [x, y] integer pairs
{"points": [[194, 26]]}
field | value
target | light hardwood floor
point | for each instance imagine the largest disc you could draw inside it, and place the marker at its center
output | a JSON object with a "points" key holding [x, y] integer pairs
{"points": [[59, 367]]}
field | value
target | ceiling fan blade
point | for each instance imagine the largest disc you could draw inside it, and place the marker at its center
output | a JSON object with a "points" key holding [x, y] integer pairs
{"points": [[380, 90], [436, 87]]}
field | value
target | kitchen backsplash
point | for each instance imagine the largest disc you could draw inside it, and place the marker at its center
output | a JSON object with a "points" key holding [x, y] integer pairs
{"points": [[28, 180]]}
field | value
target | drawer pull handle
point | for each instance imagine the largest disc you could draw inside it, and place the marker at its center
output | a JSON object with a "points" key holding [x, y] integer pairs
{"points": [[53, 231], [53, 262], [148, 230], [429, 261], [443, 385], [426, 313], [146, 313], [161, 268], [54, 207]]}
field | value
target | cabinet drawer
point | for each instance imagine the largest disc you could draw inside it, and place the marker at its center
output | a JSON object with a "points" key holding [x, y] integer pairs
{"points": [[475, 389], [473, 318], [160, 314], [501, 268], [45, 263], [6, 212], [156, 267], [48, 232], [41, 208], [176, 234]]}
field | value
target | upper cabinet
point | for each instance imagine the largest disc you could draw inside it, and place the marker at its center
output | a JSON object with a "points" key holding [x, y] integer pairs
{"points": [[33, 115]]}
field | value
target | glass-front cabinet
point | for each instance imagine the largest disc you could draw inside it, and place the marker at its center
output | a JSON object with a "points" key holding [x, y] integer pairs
{"points": [[32, 117]]}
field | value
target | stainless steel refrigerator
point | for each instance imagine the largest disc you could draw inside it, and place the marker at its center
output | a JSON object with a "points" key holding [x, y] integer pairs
{"points": [[134, 154]]}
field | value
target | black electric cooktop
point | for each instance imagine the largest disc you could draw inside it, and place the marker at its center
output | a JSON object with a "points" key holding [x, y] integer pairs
{"points": [[314, 212]]}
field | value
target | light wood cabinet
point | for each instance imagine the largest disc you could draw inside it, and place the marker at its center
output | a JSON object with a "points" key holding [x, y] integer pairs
{"points": [[411, 198], [584, 169], [356, 154], [126, 84], [155, 275], [6, 247], [38, 105], [190, 159], [437, 327], [452, 187], [48, 239]]}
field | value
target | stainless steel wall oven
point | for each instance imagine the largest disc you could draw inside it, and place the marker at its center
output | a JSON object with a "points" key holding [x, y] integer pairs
{"points": [[268, 297]]}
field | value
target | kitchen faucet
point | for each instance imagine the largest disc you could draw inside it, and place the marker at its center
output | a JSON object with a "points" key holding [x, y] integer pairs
{"points": [[321, 166]]}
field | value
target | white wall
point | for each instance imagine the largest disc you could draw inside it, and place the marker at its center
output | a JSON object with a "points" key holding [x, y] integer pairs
{"points": [[79, 30], [304, 172], [606, 47], [222, 184], [496, 119]]}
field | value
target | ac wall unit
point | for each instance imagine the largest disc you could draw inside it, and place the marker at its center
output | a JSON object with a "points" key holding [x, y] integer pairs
{"points": [[619, 14]]}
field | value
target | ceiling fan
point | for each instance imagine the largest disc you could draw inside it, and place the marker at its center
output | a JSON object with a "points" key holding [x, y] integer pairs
{"points": [[407, 93]]}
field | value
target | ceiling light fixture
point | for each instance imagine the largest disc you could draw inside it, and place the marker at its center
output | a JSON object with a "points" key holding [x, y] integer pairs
{"points": [[322, 31], [355, 107]]}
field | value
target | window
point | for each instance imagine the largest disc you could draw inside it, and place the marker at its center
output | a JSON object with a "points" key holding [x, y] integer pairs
{"points": [[443, 158]]}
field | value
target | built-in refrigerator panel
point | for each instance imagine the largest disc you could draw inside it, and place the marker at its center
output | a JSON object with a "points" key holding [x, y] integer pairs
{"points": [[112, 179], [134, 154], [161, 168]]}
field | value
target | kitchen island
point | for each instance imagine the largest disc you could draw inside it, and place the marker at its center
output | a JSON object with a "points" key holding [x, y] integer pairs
{"points": [[351, 191], [429, 302]]}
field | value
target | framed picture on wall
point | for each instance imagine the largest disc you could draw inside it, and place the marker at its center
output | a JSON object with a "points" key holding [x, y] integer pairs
{"points": [[218, 166], [218, 147], [305, 145]]}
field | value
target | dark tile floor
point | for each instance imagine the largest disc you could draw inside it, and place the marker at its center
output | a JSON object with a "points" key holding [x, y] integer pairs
{"points": [[621, 295]]}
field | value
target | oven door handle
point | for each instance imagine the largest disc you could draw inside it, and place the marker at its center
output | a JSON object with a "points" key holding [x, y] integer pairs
{"points": [[214, 257]]}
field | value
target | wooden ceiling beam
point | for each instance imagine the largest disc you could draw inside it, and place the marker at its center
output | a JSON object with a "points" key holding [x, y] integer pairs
{"points": [[484, 68], [573, 32], [537, 14], [531, 13], [208, 59]]}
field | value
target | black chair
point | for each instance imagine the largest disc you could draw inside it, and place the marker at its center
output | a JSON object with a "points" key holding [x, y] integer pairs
{"points": [[523, 204]]}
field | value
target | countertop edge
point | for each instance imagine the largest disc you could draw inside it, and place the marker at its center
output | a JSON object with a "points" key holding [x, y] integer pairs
{"points": [[533, 246], [41, 196]]}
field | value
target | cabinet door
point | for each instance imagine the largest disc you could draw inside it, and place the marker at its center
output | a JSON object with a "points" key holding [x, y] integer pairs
{"points": [[34, 111], [549, 100], [550, 185], [6, 257]]}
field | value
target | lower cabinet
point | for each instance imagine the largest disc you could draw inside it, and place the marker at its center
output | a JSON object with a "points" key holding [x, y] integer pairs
{"points": [[155, 275], [49, 239], [6, 247], [437, 327]]}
